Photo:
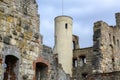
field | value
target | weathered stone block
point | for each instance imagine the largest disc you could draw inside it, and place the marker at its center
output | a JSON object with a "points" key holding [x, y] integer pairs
{"points": [[10, 19], [36, 35], [1, 9], [28, 35], [26, 27], [14, 32], [18, 28], [13, 41], [21, 35], [6, 40]]}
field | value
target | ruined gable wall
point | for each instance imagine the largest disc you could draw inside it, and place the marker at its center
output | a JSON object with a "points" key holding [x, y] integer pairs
{"points": [[106, 47]]}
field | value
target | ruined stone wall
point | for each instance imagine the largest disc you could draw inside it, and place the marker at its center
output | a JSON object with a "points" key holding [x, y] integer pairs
{"points": [[106, 48], [103, 61], [83, 67], [56, 71], [105, 76], [19, 34]]}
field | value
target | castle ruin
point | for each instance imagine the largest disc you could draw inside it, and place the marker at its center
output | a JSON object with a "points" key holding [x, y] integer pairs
{"points": [[23, 56]]}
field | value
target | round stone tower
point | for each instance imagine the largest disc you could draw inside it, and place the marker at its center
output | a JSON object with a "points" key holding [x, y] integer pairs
{"points": [[63, 42]]}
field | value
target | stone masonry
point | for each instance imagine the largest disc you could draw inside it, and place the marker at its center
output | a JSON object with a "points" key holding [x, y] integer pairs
{"points": [[24, 57], [19, 38], [102, 61]]}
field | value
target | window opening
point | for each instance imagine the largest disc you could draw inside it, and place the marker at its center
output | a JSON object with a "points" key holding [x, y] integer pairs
{"points": [[75, 62], [73, 44], [82, 60], [118, 43], [84, 75], [66, 26], [11, 68], [110, 37], [113, 62], [41, 71], [114, 40]]}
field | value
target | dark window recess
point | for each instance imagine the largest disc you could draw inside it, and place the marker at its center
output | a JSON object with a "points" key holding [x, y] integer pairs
{"points": [[66, 26], [118, 43], [83, 59], [110, 37], [0, 37], [114, 40], [84, 75], [113, 62], [75, 62], [73, 44]]}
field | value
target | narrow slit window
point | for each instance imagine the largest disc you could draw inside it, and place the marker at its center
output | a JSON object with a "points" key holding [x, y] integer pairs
{"points": [[25, 3], [114, 40], [110, 37], [118, 43], [113, 62], [66, 26]]}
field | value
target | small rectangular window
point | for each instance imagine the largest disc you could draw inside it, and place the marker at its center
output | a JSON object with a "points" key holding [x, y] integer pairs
{"points": [[66, 26]]}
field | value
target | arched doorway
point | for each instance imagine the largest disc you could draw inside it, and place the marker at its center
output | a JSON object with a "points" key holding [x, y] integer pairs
{"points": [[41, 71], [12, 68], [41, 68]]}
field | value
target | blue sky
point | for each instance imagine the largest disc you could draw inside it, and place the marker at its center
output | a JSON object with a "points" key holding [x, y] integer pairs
{"points": [[84, 14]]}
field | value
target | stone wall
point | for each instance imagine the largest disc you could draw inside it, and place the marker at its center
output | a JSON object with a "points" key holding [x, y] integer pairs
{"points": [[104, 57], [56, 71], [19, 34], [82, 63], [105, 76], [106, 47]]}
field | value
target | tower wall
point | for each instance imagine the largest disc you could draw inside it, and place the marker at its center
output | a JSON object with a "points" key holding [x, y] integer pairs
{"points": [[63, 42], [117, 16]]}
